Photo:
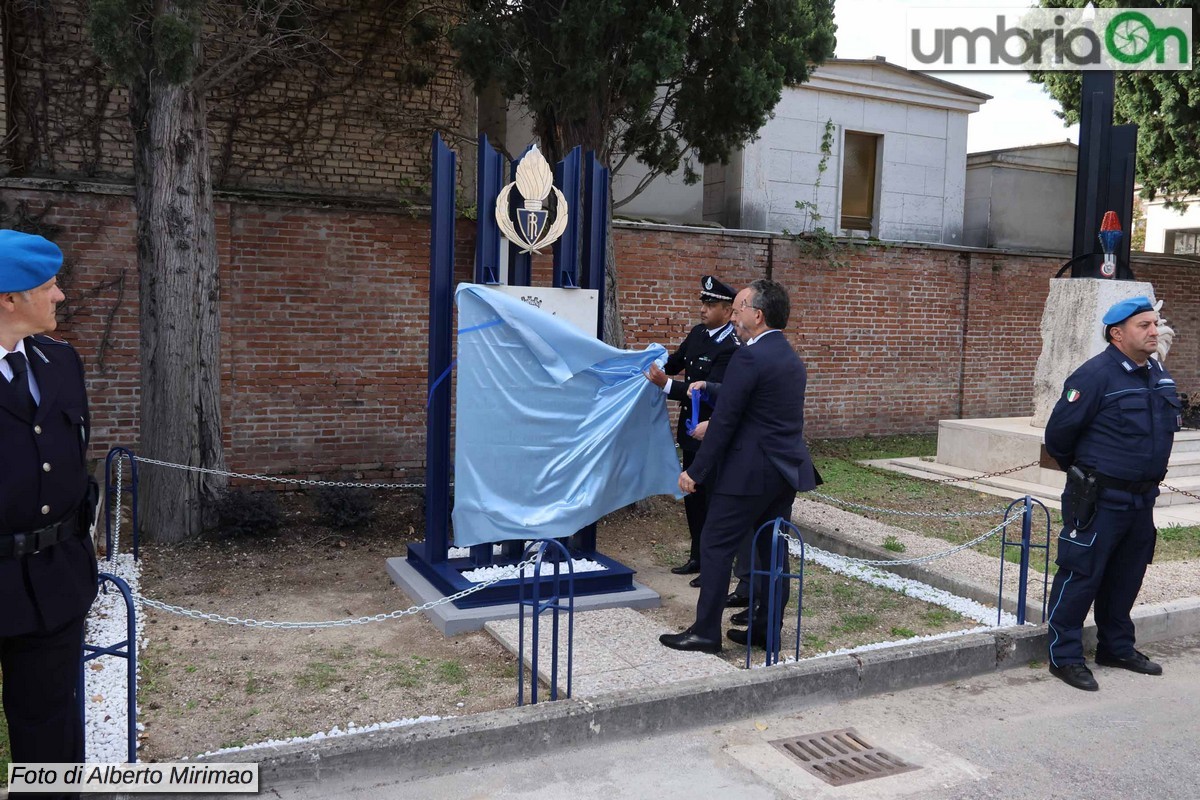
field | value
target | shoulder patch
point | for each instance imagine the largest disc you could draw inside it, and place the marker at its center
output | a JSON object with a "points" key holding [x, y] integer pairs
{"points": [[1073, 395]]}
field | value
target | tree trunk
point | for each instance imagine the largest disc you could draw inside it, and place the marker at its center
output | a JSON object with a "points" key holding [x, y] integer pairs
{"points": [[179, 320], [614, 329]]}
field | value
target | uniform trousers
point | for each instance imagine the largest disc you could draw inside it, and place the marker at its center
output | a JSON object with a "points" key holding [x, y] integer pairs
{"points": [[695, 506], [732, 520], [1104, 564]]}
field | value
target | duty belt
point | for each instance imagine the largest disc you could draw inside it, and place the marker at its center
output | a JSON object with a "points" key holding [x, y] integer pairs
{"points": [[15, 545], [1133, 487]]}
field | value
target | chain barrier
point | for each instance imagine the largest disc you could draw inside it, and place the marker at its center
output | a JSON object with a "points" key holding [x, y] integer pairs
{"points": [[931, 514], [116, 537], [1008, 471], [1180, 491], [205, 616], [275, 479], [894, 562]]}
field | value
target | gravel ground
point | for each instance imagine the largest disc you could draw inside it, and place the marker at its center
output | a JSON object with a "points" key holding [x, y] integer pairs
{"points": [[1165, 581]]}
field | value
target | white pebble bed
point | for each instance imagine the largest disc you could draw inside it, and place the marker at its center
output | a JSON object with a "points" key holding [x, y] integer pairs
{"points": [[481, 574], [908, 587], [104, 677]]}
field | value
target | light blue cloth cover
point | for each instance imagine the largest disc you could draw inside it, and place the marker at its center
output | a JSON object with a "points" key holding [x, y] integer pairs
{"points": [[554, 428]]}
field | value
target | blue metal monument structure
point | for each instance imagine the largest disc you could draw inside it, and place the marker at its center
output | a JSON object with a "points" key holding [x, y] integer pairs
{"points": [[579, 262]]}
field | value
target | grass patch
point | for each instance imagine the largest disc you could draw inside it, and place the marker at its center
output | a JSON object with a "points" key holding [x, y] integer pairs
{"points": [[317, 675], [893, 544], [451, 672], [852, 482], [1176, 544], [857, 622], [941, 616]]}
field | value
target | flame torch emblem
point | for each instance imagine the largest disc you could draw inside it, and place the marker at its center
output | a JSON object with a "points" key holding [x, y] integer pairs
{"points": [[534, 229]]}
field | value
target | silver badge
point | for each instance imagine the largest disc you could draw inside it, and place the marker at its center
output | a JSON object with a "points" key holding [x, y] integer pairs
{"points": [[534, 183]]}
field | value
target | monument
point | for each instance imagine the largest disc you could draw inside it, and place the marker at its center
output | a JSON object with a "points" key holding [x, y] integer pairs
{"points": [[1100, 275], [575, 224]]}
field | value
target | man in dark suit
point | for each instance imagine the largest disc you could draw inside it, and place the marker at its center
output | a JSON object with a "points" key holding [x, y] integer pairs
{"points": [[703, 356], [753, 459], [47, 501]]}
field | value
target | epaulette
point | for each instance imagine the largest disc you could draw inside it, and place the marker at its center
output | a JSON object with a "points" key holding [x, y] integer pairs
{"points": [[42, 338]]}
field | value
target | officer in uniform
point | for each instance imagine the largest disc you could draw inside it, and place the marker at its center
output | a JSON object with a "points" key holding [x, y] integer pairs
{"points": [[1112, 431], [47, 502], [702, 356]]}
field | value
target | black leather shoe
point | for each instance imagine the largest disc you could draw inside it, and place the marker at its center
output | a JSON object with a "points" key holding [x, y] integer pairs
{"points": [[1134, 663], [1077, 675], [743, 617], [689, 641], [690, 568], [694, 582], [738, 636], [736, 600]]}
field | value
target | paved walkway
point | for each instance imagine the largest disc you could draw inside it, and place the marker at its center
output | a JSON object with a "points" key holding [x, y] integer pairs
{"points": [[615, 649]]}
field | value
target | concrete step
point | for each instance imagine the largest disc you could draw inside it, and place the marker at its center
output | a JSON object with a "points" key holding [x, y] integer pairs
{"points": [[1183, 465], [1171, 507], [1186, 442]]}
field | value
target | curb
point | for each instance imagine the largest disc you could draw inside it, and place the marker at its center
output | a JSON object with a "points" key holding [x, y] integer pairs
{"points": [[447, 744]]}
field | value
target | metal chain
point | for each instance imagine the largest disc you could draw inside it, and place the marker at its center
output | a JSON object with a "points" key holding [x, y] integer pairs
{"points": [[274, 479], [893, 562], [116, 537], [254, 623], [931, 514], [1008, 471], [336, 623], [1180, 491]]}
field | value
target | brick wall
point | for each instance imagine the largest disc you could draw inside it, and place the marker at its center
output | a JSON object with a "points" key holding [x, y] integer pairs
{"points": [[351, 118], [325, 316]]}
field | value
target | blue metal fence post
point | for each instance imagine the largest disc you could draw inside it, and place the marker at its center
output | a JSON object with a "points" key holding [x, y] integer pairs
{"points": [[1026, 528], [120, 452], [441, 314], [554, 602], [129, 653], [775, 575], [1026, 544]]}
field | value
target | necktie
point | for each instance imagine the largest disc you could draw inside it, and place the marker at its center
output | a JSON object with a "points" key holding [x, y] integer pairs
{"points": [[20, 382]]}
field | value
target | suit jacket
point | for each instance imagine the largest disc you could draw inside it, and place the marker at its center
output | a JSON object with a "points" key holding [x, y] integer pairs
{"points": [[700, 358], [758, 423], [44, 481]]}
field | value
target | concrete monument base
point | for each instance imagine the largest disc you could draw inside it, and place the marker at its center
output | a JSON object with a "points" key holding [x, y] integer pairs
{"points": [[1071, 333], [452, 620]]}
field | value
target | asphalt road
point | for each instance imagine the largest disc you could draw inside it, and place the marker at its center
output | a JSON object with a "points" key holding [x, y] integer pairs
{"points": [[1018, 734]]}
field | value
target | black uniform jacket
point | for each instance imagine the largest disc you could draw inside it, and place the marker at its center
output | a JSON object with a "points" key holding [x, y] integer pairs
{"points": [[44, 480], [700, 357], [758, 422]]}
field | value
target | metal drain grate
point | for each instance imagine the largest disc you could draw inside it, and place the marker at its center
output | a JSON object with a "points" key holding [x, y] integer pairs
{"points": [[842, 757]]}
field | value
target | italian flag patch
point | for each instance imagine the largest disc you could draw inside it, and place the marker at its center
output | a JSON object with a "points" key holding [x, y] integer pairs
{"points": [[1072, 395]]}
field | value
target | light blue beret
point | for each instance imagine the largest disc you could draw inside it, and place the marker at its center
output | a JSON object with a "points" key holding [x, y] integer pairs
{"points": [[1126, 309], [26, 261]]}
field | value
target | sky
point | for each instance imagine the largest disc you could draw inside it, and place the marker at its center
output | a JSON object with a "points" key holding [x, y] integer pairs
{"points": [[1019, 112]]}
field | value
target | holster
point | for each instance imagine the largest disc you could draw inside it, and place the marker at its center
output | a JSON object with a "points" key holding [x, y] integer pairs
{"points": [[1083, 491], [87, 508]]}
